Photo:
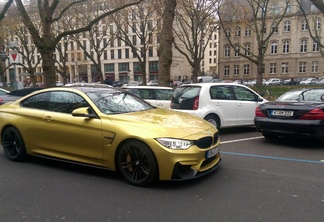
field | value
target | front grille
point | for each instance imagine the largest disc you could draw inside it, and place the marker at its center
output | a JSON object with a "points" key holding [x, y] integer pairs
{"points": [[207, 141]]}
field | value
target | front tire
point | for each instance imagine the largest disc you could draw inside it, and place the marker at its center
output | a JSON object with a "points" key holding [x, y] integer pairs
{"points": [[137, 163], [13, 144]]}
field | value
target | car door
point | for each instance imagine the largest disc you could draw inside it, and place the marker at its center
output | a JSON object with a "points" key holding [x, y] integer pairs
{"points": [[69, 135], [246, 103], [224, 104]]}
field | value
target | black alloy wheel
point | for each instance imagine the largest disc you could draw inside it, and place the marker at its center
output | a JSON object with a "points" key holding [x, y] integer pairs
{"points": [[13, 144], [137, 164]]}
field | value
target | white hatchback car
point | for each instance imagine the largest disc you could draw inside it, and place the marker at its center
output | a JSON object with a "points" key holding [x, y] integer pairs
{"points": [[158, 96], [222, 104]]}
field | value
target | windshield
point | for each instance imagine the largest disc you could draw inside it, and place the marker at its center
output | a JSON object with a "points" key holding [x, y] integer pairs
{"points": [[310, 95], [117, 102]]}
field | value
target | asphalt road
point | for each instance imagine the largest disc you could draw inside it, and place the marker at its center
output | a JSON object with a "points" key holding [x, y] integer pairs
{"points": [[259, 180]]}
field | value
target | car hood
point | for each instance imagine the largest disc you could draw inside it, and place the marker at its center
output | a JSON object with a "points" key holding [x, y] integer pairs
{"points": [[164, 122]]}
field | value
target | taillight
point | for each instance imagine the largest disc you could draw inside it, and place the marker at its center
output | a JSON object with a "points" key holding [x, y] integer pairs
{"points": [[315, 114], [258, 113], [196, 103]]}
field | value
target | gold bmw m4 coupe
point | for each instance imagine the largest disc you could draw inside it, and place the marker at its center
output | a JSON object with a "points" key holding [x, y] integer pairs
{"points": [[106, 127]]}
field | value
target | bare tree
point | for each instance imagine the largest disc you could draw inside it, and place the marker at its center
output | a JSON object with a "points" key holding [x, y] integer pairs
{"points": [[166, 41], [5, 9], [50, 13], [195, 23], [312, 18], [254, 15], [136, 26], [14, 28]]}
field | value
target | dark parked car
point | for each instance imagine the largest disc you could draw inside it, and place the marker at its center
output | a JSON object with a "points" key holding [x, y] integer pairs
{"points": [[298, 113], [16, 94]]}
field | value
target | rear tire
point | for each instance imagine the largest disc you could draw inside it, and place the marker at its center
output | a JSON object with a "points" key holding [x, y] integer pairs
{"points": [[213, 119], [13, 144]]}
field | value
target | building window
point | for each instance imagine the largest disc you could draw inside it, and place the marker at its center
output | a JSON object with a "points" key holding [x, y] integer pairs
{"points": [[237, 51], [303, 45], [238, 31], [284, 67], [247, 49], [287, 26], [285, 46], [274, 48], [227, 51], [304, 26], [126, 53], [247, 32], [315, 67], [313, 8], [236, 70], [112, 54], [274, 27], [226, 70], [150, 51], [227, 32], [318, 23], [134, 40], [302, 67], [119, 53], [246, 69], [273, 68], [315, 46]]}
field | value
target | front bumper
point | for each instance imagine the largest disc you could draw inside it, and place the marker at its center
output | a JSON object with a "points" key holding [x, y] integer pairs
{"points": [[187, 164]]}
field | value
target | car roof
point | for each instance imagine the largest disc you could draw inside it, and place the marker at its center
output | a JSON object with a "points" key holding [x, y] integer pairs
{"points": [[212, 84], [146, 87]]}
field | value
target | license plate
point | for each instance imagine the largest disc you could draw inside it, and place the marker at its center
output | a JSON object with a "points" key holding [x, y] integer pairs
{"points": [[282, 113], [212, 152]]}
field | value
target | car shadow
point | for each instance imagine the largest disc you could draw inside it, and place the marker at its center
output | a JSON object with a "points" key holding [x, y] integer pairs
{"points": [[237, 130], [302, 143]]}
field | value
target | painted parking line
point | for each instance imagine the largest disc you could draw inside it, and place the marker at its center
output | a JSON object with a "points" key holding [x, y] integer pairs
{"points": [[275, 158], [239, 140]]}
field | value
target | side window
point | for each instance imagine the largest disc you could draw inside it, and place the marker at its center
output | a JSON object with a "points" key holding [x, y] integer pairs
{"points": [[134, 91], [244, 94], [147, 94], [221, 92], [39, 101], [66, 102], [162, 94]]}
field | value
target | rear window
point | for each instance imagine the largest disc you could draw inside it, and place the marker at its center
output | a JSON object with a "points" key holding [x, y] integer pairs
{"points": [[184, 97], [311, 95]]}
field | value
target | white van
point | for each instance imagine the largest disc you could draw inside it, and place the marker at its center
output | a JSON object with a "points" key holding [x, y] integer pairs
{"points": [[158, 96], [204, 78]]}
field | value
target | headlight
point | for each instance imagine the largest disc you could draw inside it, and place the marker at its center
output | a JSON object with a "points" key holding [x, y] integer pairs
{"points": [[175, 144]]}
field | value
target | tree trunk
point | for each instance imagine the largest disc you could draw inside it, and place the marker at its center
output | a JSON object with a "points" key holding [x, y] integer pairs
{"points": [[165, 49]]}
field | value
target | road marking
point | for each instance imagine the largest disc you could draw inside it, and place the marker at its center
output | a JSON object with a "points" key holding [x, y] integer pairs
{"points": [[275, 158], [239, 140]]}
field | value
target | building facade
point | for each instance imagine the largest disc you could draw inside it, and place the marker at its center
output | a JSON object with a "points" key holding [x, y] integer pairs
{"points": [[291, 51]]}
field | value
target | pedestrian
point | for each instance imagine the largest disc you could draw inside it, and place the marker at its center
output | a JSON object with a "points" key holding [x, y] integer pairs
{"points": [[108, 81]]}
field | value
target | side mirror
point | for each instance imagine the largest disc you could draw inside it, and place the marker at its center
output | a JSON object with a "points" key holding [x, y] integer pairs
{"points": [[83, 112]]}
